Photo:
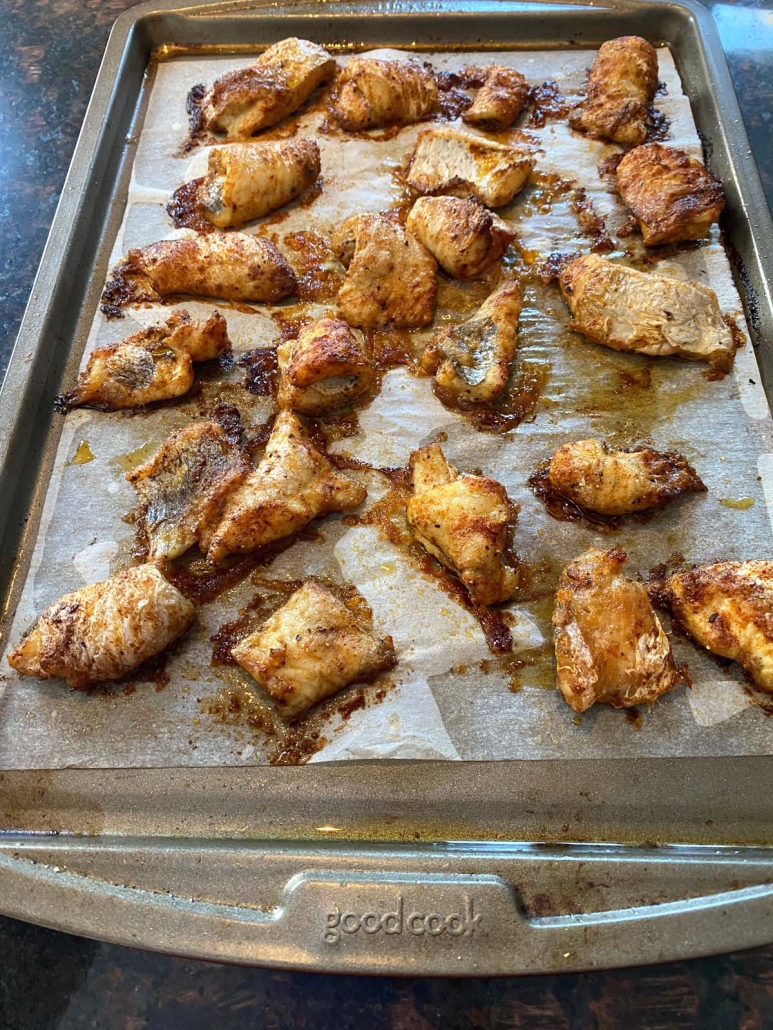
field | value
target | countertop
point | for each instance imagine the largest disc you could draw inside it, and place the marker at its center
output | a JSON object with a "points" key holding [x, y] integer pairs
{"points": [[53, 980]]}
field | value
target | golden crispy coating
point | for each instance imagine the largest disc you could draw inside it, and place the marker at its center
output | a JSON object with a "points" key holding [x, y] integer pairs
{"points": [[151, 365], [312, 647], [284, 76], [727, 606], [293, 483], [245, 181], [471, 361], [324, 369], [463, 522], [448, 160], [621, 308], [104, 631], [230, 266], [621, 85], [375, 92], [183, 487], [463, 236], [671, 195], [610, 646], [616, 482], [391, 277], [499, 101]]}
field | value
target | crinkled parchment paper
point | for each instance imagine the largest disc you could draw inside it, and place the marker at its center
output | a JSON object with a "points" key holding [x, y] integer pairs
{"points": [[439, 704]]}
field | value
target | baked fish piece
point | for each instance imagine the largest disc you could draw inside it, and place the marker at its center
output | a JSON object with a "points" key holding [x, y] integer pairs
{"points": [[373, 92], [671, 195], [229, 266], [727, 607], [463, 521], [183, 487], [449, 160], [104, 631], [621, 86], [154, 364], [245, 181], [462, 235], [284, 76], [499, 101], [471, 361], [293, 483], [391, 277], [312, 647], [628, 310], [610, 646], [324, 369], [617, 482]]}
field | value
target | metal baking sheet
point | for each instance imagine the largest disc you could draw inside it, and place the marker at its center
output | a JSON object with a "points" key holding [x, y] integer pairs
{"points": [[698, 800], [422, 709]]}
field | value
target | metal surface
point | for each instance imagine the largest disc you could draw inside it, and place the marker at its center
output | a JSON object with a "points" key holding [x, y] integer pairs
{"points": [[293, 866]]}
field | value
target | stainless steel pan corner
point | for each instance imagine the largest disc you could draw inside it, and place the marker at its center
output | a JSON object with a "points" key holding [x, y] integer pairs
{"points": [[413, 867]]}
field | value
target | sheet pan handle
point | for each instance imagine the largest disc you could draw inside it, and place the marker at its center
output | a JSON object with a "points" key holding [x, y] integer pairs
{"points": [[345, 911]]}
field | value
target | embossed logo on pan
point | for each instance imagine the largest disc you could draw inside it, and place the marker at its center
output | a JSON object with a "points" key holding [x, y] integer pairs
{"points": [[403, 919]]}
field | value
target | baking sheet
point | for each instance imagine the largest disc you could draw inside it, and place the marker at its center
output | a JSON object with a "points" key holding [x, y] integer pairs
{"points": [[429, 710]]}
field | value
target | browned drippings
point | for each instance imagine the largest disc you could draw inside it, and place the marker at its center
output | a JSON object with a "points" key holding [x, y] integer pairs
{"points": [[195, 115], [544, 190], [314, 266], [262, 371], [551, 268], [591, 223], [739, 340], [244, 708], [451, 103], [352, 704], [153, 670], [258, 436], [289, 326], [470, 77], [762, 701], [201, 581], [311, 194], [229, 419], [628, 228], [540, 663], [546, 101], [631, 379], [518, 404], [329, 127], [387, 514], [657, 126], [338, 427], [389, 347], [241, 707], [609, 164], [658, 578], [398, 475], [465, 297], [634, 717]]}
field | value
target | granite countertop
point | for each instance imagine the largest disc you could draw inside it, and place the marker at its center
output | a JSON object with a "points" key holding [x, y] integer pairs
{"points": [[53, 980]]}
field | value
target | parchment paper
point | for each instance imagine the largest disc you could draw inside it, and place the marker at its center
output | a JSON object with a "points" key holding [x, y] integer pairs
{"points": [[432, 708]]}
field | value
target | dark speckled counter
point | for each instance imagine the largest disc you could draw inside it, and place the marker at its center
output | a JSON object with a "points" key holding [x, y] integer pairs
{"points": [[50, 980]]}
